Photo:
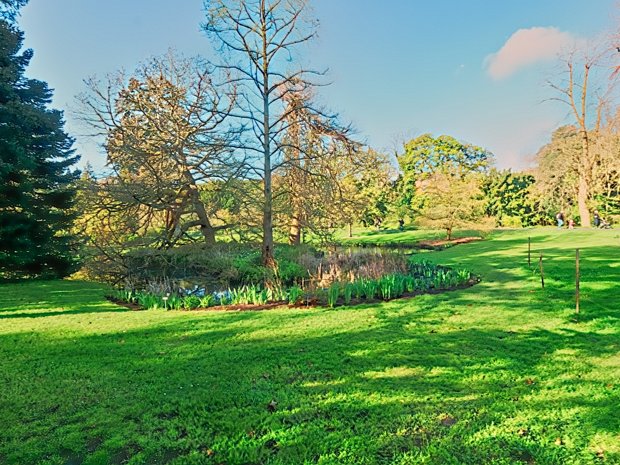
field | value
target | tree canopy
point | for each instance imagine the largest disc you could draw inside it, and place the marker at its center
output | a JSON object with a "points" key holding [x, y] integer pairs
{"points": [[36, 181]]}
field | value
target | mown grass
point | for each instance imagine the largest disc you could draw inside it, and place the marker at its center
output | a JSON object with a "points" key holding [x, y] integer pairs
{"points": [[500, 373], [409, 237]]}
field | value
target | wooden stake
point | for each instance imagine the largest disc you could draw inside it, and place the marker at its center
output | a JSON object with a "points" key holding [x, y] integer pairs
{"points": [[529, 252], [577, 281], [542, 273]]}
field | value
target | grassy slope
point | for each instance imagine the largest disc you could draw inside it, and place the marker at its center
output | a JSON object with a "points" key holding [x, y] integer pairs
{"points": [[499, 373], [407, 237]]}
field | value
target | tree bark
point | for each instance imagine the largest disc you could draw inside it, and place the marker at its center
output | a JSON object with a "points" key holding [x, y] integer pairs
{"points": [[583, 192], [267, 249], [206, 228], [294, 235]]}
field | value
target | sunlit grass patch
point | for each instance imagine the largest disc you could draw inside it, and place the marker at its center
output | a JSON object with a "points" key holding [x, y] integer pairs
{"points": [[503, 372]]}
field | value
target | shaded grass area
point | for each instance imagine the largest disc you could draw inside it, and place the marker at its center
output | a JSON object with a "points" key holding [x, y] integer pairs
{"points": [[499, 373]]}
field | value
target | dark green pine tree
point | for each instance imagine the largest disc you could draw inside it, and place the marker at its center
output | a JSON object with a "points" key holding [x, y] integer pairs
{"points": [[37, 183]]}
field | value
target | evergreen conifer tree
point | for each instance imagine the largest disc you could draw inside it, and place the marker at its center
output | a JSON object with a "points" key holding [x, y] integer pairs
{"points": [[37, 183]]}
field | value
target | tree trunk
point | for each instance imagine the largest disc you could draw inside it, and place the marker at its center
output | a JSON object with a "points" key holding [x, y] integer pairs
{"points": [[350, 230], [294, 234], [267, 249], [206, 229], [208, 233], [583, 193], [582, 202]]}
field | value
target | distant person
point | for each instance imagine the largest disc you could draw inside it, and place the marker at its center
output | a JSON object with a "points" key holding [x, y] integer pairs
{"points": [[401, 224], [571, 223], [560, 219], [597, 219], [604, 224]]}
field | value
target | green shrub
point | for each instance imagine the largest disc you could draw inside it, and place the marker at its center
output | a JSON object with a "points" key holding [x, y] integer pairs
{"points": [[190, 302], [207, 301]]}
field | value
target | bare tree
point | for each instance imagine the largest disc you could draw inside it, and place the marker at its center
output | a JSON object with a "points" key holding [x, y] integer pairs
{"points": [[166, 137], [258, 39], [319, 155], [587, 90]]}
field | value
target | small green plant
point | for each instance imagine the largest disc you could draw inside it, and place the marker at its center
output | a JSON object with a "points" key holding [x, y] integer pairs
{"points": [[190, 302], [386, 287], [370, 287], [174, 303], [224, 298], [277, 294], [261, 296], [409, 283], [358, 289], [295, 295], [463, 275], [207, 301], [333, 292], [347, 293], [149, 301]]}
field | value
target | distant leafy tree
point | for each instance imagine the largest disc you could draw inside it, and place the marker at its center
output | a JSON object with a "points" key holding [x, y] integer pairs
{"points": [[376, 191], [426, 155], [36, 181], [441, 180], [509, 198], [449, 202]]}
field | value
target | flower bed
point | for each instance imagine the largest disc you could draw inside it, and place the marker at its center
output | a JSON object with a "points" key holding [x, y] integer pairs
{"points": [[421, 277]]}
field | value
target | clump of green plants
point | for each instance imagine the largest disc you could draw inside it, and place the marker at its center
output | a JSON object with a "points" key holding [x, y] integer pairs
{"points": [[333, 292], [347, 293], [421, 277], [295, 295], [370, 287], [207, 301]]}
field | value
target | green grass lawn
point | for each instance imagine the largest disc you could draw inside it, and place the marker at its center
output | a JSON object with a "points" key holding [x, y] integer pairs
{"points": [[500, 373], [395, 237]]}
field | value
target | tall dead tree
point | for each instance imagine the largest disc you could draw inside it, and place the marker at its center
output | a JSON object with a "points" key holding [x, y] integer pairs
{"points": [[587, 91], [318, 155], [258, 40]]}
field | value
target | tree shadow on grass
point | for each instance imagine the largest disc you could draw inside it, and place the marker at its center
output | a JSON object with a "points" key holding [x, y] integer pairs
{"points": [[404, 387], [63, 312]]}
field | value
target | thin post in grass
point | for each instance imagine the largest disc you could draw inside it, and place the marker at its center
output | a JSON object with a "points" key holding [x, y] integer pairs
{"points": [[529, 251], [542, 273], [577, 281]]}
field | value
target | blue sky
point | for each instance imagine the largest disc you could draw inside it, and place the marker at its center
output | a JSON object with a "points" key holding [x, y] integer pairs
{"points": [[398, 68]]}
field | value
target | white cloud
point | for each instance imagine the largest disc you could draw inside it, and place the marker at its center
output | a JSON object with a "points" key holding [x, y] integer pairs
{"points": [[526, 47]]}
